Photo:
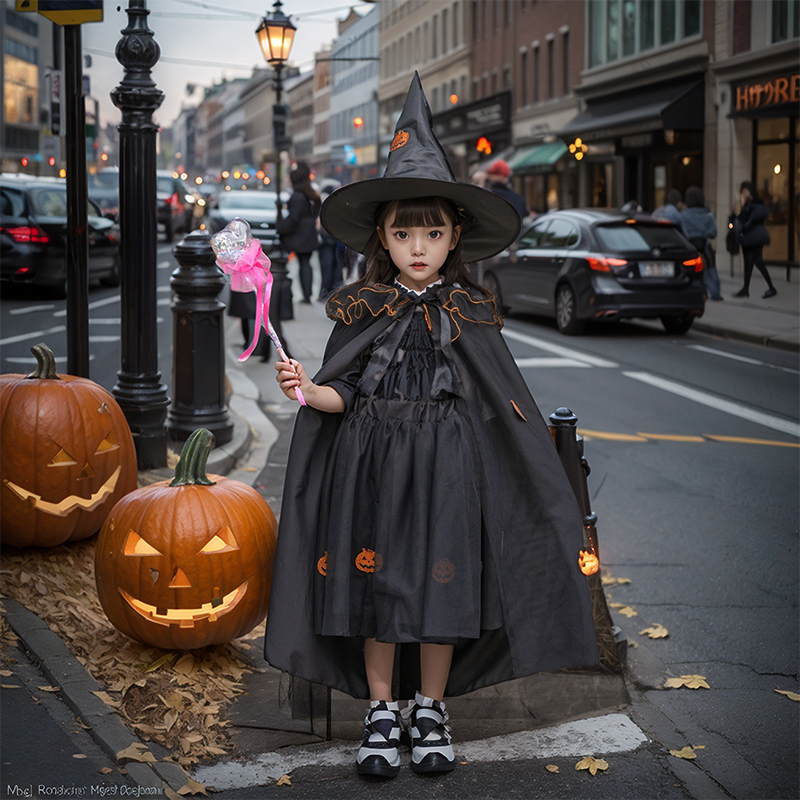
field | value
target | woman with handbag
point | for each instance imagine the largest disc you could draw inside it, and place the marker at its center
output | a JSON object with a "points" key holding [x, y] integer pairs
{"points": [[298, 229], [752, 237], [699, 227]]}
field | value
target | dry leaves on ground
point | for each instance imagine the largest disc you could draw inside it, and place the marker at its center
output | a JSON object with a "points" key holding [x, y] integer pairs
{"points": [[655, 631], [173, 698], [552, 767], [687, 752], [610, 580], [687, 681], [791, 695], [625, 610], [592, 764], [284, 780]]}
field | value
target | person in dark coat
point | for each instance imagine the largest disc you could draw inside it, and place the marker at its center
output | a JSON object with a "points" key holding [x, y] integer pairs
{"points": [[753, 235], [330, 261], [298, 229], [670, 211], [429, 535], [497, 177], [699, 227]]}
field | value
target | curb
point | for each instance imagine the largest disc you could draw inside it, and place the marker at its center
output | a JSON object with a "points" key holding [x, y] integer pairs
{"points": [[772, 341], [76, 688]]}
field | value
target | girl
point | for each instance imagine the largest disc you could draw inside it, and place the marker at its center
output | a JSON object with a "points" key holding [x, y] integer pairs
{"points": [[752, 237], [429, 535]]}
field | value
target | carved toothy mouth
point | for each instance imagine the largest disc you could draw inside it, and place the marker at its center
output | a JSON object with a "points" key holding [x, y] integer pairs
{"points": [[69, 503], [186, 617]]}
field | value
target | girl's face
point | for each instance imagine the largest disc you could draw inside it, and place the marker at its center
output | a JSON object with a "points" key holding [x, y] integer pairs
{"points": [[418, 252], [746, 196]]}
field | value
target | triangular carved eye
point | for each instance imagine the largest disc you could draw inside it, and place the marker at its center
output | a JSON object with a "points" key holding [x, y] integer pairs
{"points": [[109, 443], [222, 540], [62, 459], [136, 546]]}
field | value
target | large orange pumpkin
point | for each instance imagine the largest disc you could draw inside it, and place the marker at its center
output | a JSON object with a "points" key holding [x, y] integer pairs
{"points": [[68, 455], [187, 563]]}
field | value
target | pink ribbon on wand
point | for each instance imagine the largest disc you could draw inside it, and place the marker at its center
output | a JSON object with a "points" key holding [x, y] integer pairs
{"points": [[251, 272]]}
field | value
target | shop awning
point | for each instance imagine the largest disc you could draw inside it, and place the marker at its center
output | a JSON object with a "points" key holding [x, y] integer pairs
{"points": [[672, 106], [537, 157]]}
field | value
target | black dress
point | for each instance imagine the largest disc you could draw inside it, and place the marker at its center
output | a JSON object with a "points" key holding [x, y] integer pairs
{"points": [[435, 509], [400, 540]]}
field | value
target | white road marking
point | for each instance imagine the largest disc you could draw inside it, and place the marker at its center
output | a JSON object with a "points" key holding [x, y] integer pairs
{"points": [[163, 288], [559, 350], [726, 406], [164, 265], [22, 337], [164, 301], [106, 301], [104, 321], [743, 359], [32, 360], [29, 309], [100, 339], [612, 733], [550, 362]]}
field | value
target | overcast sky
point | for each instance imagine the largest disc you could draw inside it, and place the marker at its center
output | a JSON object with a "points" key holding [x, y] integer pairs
{"points": [[202, 42]]}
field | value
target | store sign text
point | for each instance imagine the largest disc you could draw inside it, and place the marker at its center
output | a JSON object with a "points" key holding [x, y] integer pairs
{"points": [[768, 94]]}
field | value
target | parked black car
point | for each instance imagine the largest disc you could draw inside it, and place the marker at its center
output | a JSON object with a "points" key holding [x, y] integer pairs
{"points": [[33, 236], [171, 194], [579, 265]]}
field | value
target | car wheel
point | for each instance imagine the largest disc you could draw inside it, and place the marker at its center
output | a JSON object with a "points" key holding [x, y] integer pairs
{"points": [[677, 325], [566, 312], [491, 283], [113, 278]]}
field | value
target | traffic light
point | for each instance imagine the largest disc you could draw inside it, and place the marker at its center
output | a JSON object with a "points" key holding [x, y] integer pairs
{"points": [[484, 146]]}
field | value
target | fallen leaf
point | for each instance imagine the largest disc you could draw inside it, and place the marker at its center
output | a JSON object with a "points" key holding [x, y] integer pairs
{"points": [[592, 764], [107, 699], [106, 771], [159, 662], [689, 681], [136, 752], [192, 787], [628, 611], [791, 695], [48, 688], [686, 752], [610, 580], [6, 673], [284, 780], [655, 631], [10, 686], [551, 767], [78, 755], [632, 644]]}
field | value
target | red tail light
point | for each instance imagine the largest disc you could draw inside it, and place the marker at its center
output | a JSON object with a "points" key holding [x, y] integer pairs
{"points": [[604, 263], [697, 263], [26, 234]]}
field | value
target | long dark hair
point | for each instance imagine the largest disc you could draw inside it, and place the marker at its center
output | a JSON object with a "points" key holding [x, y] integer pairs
{"points": [[300, 177], [751, 187], [426, 212]]}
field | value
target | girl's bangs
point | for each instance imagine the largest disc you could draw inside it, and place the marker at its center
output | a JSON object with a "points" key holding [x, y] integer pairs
{"points": [[422, 212]]}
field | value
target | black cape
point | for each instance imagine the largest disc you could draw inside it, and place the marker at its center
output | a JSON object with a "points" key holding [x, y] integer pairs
{"points": [[529, 511]]}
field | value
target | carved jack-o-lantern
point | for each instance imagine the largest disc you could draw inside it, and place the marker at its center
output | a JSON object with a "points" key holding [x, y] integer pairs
{"points": [[187, 563], [588, 562], [444, 570], [365, 560], [68, 455]]}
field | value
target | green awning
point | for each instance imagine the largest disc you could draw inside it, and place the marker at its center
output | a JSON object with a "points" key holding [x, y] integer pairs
{"points": [[537, 157]]}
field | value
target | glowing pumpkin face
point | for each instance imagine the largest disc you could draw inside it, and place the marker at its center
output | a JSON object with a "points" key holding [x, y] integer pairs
{"points": [[588, 562], [68, 456], [188, 564]]}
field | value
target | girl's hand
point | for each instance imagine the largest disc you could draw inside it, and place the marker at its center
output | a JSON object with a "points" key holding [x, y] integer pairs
{"points": [[291, 375]]}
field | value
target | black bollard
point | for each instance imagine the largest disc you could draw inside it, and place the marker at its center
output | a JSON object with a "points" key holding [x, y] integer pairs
{"points": [[139, 391], [198, 343]]}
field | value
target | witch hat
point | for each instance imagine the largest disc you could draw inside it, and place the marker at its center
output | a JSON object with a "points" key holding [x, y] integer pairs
{"points": [[418, 167]]}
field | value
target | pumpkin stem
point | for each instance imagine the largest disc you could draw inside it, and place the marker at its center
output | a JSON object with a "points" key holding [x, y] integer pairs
{"points": [[45, 363], [191, 467]]}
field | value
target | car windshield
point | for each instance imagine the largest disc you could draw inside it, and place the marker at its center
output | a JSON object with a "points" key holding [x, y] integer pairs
{"points": [[104, 180], [53, 203], [261, 201], [165, 185], [628, 238]]}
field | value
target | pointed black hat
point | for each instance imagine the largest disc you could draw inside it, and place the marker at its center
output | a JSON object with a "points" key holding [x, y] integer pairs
{"points": [[418, 167]]}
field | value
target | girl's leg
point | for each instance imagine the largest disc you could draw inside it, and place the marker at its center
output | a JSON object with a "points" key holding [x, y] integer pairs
{"points": [[306, 275], [434, 661], [758, 260], [245, 326], [747, 255], [379, 661]]}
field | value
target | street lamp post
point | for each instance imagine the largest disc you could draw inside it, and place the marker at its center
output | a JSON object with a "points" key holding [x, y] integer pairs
{"points": [[276, 36]]}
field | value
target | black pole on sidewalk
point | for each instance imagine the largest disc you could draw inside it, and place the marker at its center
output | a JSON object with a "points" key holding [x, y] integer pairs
{"points": [[77, 205], [139, 390], [198, 343]]}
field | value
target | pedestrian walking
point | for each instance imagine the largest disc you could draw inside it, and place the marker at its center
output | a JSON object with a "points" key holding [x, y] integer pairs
{"points": [[670, 211], [330, 262], [497, 177], [429, 535], [298, 229], [699, 227], [753, 235]]}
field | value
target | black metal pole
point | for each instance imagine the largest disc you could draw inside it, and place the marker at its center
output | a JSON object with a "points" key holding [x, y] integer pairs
{"points": [[77, 204], [139, 390], [198, 343], [281, 307]]}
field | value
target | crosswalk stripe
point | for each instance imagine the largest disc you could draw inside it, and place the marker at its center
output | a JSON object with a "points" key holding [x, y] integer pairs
{"points": [[557, 349]]}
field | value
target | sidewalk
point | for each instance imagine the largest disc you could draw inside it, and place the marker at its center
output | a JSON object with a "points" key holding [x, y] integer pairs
{"points": [[260, 724]]}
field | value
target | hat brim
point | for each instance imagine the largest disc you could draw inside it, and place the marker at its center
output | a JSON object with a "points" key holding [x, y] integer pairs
{"points": [[491, 223]]}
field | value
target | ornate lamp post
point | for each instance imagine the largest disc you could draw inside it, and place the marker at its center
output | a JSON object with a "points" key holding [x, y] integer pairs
{"points": [[276, 36], [139, 390]]}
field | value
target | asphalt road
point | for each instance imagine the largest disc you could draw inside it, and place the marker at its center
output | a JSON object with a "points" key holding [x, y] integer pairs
{"points": [[692, 444]]}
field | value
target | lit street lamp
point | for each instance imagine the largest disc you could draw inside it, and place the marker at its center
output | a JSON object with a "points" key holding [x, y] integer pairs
{"points": [[276, 36]]}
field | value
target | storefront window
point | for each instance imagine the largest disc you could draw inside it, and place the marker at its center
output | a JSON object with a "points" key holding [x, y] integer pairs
{"points": [[667, 21], [691, 17], [20, 90], [628, 27], [612, 39]]}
